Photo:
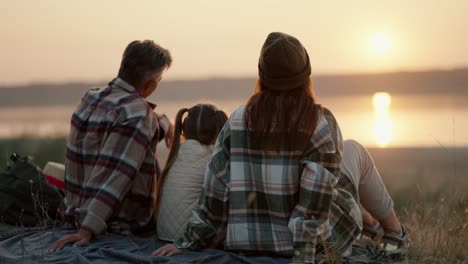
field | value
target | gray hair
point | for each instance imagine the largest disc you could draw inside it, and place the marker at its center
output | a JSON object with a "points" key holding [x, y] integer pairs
{"points": [[143, 61]]}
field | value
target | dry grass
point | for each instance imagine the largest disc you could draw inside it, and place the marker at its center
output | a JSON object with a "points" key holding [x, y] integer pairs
{"points": [[439, 232], [429, 187]]}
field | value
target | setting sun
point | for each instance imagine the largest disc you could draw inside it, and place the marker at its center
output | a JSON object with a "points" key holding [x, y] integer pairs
{"points": [[380, 43], [381, 101]]}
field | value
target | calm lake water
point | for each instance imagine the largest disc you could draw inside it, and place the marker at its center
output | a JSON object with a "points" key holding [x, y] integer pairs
{"points": [[396, 121]]}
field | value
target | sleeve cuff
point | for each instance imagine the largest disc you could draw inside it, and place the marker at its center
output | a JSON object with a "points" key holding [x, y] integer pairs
{"points": [[88, 220], [182, 243], [304, 252]]}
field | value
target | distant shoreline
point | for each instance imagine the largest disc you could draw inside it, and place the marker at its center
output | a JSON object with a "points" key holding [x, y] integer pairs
{"points": [[440, 82], [253, 77]]}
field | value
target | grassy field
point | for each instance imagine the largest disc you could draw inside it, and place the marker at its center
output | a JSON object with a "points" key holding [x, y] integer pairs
{"points": [[428, 187]]}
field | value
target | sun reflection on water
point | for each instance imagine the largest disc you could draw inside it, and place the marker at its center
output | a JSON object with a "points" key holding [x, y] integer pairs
{"points": [[382, 123]]}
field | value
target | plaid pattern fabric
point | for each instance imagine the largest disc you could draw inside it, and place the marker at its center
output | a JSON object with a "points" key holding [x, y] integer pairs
{"points": [[285, 203], [111, 166]]}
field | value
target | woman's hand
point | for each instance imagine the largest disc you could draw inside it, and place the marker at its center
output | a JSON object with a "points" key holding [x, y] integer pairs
{"points": [[167, 250]]}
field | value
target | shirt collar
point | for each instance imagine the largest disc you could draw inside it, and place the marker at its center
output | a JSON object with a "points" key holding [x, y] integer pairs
{"points": [[118, 82]]}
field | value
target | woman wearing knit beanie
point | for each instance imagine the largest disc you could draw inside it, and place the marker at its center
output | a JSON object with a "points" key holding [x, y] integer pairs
{"points": [[278, 182]]}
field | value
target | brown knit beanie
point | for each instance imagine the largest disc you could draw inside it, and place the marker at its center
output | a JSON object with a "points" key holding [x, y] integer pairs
{"points": [[284, 63]]}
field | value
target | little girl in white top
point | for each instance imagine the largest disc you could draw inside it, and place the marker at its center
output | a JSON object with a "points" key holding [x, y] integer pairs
{"points": [[181, 181]]}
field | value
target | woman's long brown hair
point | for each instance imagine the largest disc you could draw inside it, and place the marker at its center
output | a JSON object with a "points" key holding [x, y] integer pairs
{"points": [[202, 123], [281, 120]]}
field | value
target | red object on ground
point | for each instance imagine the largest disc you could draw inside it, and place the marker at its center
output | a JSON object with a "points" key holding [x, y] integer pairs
{"points": [[54, 181]]}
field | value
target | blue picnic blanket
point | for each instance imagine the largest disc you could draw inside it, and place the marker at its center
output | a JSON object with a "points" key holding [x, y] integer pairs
{"points": [[31, 245]]}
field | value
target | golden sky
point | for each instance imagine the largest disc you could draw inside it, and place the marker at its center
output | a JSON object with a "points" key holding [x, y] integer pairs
{"points": [[83, 40]]}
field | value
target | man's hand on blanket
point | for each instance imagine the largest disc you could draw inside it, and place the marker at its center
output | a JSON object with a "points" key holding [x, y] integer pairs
{"points": [[167, 250], [80, 239]]}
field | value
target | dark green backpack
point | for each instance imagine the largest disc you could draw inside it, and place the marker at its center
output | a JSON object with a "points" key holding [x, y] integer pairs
{"points": [[26, 199]]}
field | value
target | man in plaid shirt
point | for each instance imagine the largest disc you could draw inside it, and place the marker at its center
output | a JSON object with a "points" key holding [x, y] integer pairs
{"points": [[111, 165]]}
